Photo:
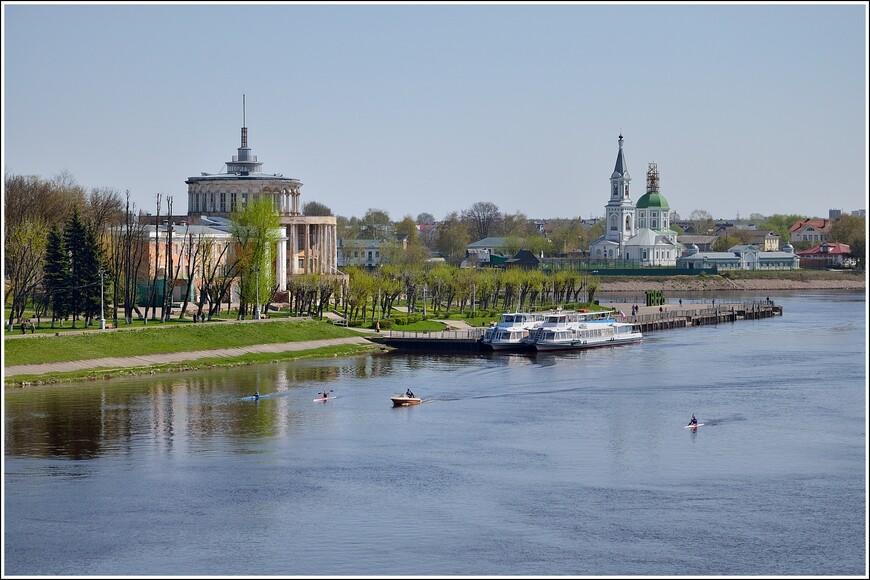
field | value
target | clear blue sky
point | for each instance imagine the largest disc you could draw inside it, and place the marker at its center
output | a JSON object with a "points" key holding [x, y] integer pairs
{"points": [[430, 108]]}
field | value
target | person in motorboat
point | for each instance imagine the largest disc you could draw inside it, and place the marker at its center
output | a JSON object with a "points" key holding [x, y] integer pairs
{"points": [[409, 394], [693, 421]]}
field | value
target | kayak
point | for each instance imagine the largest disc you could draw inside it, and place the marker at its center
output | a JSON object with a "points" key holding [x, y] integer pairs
{"points": [[254, 398], [692, 426], [324, 399]]}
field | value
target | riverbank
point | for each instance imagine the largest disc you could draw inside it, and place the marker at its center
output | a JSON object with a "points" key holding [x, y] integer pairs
{"points": [[41, 359], [739, 282]]}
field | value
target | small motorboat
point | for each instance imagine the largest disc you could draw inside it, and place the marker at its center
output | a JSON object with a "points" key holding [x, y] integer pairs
{"points": [[404, 400]]}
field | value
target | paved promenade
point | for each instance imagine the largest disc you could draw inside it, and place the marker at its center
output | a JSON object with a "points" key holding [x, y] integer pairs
{"points": [[174, 357]]}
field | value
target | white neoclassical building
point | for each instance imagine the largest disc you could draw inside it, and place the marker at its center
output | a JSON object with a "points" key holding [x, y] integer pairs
{"points": [[639, 233], [308, 243]]}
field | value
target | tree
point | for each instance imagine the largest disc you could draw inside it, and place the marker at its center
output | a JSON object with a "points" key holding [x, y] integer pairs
{"points": [[376, 225], [314, 208], [483, 219], [408, 227], [56, 274], [781, 224], [24, 254], [84, 265], [452, 238], [702, 222], [568, 235], [596, 230], [851, 230], [517, 225], [151, 290], [256, 231], [425, 218]]}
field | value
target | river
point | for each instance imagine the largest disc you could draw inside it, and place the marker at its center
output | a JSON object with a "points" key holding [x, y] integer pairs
{"points": [[559, 464]]}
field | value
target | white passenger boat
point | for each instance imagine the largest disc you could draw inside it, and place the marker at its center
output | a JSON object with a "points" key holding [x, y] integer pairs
{"points": [[585, 335], [511, 329]]}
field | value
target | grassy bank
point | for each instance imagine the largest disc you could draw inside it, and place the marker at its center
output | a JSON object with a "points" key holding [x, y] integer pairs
{"points": [[194, 365], [123, 343]]}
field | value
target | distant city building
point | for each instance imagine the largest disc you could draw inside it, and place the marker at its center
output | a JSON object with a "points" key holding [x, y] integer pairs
{"points": [[364, 253], [491, 245], [767, 241], [859, 213], [308, 243], [827, 255], [740, 257], [701, 243], [811, 230], [834, 213], [639, 234]]}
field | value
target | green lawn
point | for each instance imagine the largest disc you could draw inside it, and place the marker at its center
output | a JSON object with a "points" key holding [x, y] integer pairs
{"points": [[156, 340]]}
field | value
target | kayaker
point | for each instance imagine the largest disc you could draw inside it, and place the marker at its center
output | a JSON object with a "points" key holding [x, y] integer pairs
{"points": [[257, 394], [693, 421], [325, 394]]}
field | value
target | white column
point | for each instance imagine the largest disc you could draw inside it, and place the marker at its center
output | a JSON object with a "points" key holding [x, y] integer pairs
{"points": [[293, 249], [282, 261], [307, 245]]}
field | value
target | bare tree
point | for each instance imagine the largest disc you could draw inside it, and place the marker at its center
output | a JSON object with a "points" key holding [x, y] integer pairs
{"points": [[25, 251], [483, 218], [151, 291], [196, 246]]}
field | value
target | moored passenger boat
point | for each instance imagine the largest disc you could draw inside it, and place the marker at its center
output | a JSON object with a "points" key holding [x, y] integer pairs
{"points": [[586, 335], [511, 330]]}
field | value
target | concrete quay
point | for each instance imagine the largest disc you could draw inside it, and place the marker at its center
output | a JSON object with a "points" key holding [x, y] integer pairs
{"points": [[648, 319]]}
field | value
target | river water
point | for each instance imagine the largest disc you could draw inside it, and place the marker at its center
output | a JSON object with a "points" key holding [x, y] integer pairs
{"points": [[559, 464]]}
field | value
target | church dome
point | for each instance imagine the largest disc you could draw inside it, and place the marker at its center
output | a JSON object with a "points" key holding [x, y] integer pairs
{"points": [[652, 200]]}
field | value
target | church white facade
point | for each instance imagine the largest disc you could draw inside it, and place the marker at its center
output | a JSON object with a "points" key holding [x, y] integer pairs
{"points": [[637, 234]]}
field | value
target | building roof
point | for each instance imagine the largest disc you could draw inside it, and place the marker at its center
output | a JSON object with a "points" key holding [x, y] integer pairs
{"points": [[826, 249], [493, 242], [693, 239], [620, 169], [652, 200], [819, 224], [648, 237]]}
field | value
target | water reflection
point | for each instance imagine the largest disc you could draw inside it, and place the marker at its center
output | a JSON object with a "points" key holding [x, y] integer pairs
{"points": [[84, 421]]}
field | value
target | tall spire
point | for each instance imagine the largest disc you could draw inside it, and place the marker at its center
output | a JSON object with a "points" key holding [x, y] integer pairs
{"points": [[244, 163], [244, 125], [621, 168]]}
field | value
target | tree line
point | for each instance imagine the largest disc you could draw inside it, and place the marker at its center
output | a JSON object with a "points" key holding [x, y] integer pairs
{"points": [[64, 245]]}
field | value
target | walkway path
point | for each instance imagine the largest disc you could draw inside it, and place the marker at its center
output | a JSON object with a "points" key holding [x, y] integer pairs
{"points": [[173, 357]]}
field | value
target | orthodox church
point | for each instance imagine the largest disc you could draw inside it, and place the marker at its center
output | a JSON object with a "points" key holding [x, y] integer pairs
{"points": [[640, 233]]}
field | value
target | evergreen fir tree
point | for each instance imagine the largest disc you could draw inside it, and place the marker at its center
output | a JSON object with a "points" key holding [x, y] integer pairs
{"points": [[56, 278], [74, 242], [90, 273]]}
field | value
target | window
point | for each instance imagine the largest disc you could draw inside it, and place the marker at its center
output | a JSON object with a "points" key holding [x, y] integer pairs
{"points": [[224, 201]]}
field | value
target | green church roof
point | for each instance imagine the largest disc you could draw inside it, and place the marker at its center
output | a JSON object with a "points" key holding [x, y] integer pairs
{"points": [[652, 200]]}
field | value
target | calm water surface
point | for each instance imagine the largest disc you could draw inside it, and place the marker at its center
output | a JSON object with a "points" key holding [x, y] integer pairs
{"points": [[560, 464]]}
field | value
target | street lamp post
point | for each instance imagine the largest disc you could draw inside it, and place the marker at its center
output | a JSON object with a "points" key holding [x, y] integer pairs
{"points": [[424, 301], [102, 294], [257, 305]]}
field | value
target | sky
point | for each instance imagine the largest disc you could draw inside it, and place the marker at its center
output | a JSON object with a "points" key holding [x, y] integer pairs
{"points": [[411, 108]]}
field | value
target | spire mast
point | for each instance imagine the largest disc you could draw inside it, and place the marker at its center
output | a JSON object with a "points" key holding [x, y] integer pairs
{"points": [[244, 125]]}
